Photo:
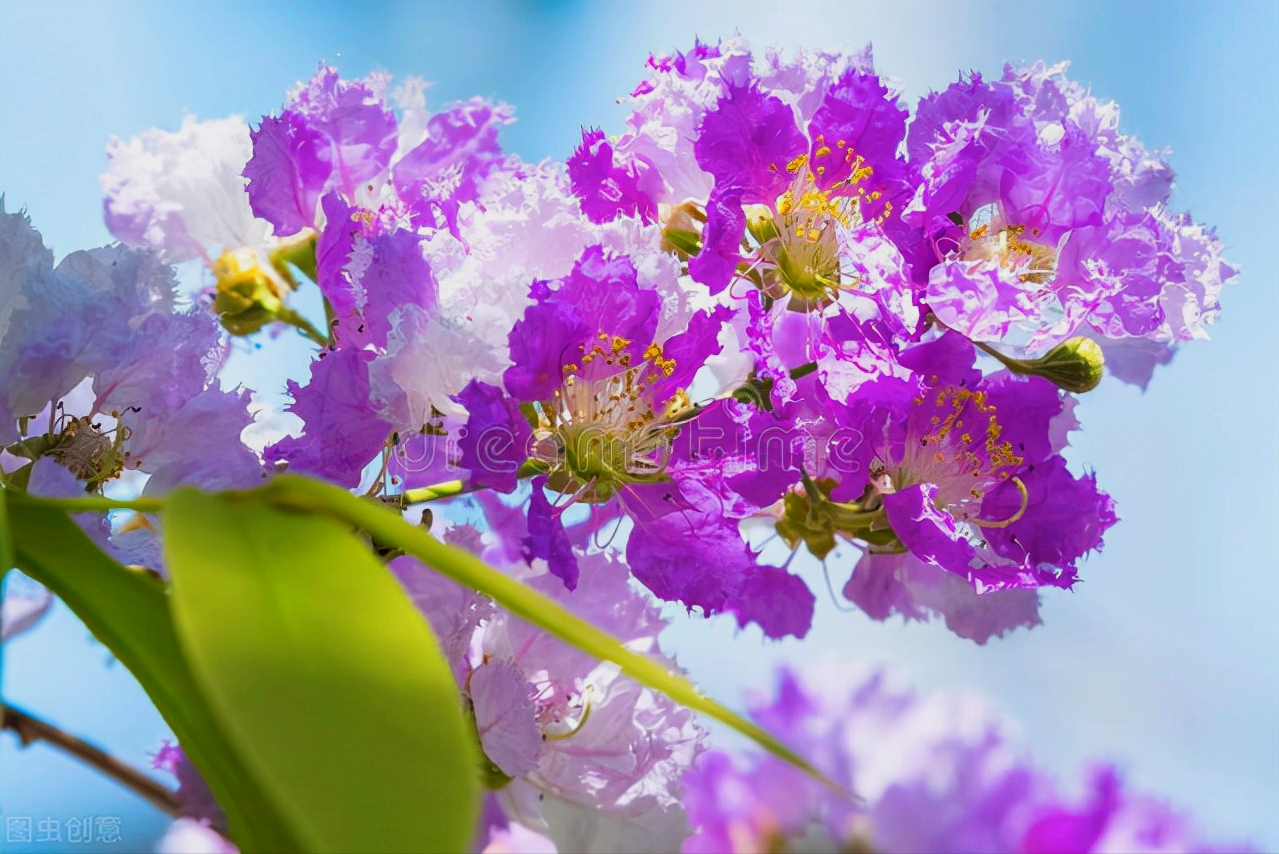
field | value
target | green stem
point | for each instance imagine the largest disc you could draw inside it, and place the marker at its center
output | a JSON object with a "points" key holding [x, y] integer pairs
{"points": [[450, 488], [299, 253], [803, 370], [292, 318], [99, 504], [1009, 363], [447, 489]]}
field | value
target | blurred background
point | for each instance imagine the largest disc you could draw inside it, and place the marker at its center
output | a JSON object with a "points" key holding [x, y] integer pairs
{"points": [[1164, 659]]}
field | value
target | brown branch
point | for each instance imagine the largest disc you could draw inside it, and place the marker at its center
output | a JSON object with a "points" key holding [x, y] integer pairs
{"points": [[30, 729]]}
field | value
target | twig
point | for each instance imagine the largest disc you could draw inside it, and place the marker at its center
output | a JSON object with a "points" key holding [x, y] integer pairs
{"points": [[30, 729]]}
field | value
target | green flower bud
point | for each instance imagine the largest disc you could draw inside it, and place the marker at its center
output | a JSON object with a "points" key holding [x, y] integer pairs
{"points": [[812, 518], [248, 296], [1075, 365], [759, 222]]}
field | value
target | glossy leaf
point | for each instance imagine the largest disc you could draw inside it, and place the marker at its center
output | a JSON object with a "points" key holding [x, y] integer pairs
{"points": [[333, 683], [389, 529], [128, 612]]}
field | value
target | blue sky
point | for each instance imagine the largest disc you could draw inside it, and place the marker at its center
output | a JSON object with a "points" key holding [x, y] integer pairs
{"points": [[1164, 658]]}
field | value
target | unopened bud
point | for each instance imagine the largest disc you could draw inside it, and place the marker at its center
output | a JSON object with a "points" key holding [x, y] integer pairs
{"points": [[248, 295], [759, 222], [682, 228], [1075, 365]]}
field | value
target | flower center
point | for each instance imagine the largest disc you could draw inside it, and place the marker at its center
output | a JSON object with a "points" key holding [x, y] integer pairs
{"points": [[798, 247], [954, 441], [605, 427], [90, 453], [990, 238]]}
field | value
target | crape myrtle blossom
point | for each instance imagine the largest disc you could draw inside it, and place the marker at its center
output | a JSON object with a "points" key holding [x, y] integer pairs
{"points": [[101, 372], [182, 195], [1025, 217], [793, 188], [954, 488], [1045, 221], [938, 773], [596, 403], [577, 752], [424, 271], [788, 152], [442, 352]]}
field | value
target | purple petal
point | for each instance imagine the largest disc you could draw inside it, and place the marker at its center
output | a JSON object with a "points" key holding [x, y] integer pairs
{"points": [[884, 585], [505, 717], [946, 360], [1065, 518], [608, 182], [361, 132], [599, 306], [287, 172], [779, 602], [343, 430], [746, 143], [366, 272], [721, 252], [497, 437], [859, 117], [453, 611], [446, 169], [699, 558], [928, 532], [547, 538], [22, 608]]}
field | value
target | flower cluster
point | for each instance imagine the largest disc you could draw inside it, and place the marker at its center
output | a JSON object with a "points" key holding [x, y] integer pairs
{"points": [[777, 299], [935, 773], [776, 296]]}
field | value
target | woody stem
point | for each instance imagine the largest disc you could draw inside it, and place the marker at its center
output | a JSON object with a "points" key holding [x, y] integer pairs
{"points": [[30, 729]]}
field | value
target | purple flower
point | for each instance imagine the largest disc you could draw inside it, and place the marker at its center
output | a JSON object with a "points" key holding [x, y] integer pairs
{"points": [[611, 427], [839, 173], [1114, 820], [448, 167], [953, 484], [342, 429], [1038, 220], [128, 381], [182, 193], [577, 737], [335, 135], [934, 773]]}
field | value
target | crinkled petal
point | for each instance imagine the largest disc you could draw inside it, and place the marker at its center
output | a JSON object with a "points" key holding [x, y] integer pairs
{"points": [[343, 430], [287, 172], [547, 538], [497, 437], [505, 717], [610, 183]]}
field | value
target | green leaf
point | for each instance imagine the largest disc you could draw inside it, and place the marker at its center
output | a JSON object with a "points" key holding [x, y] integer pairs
{"points": [[312, 655], [128, 611], [6, 537], [389, 529]]}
